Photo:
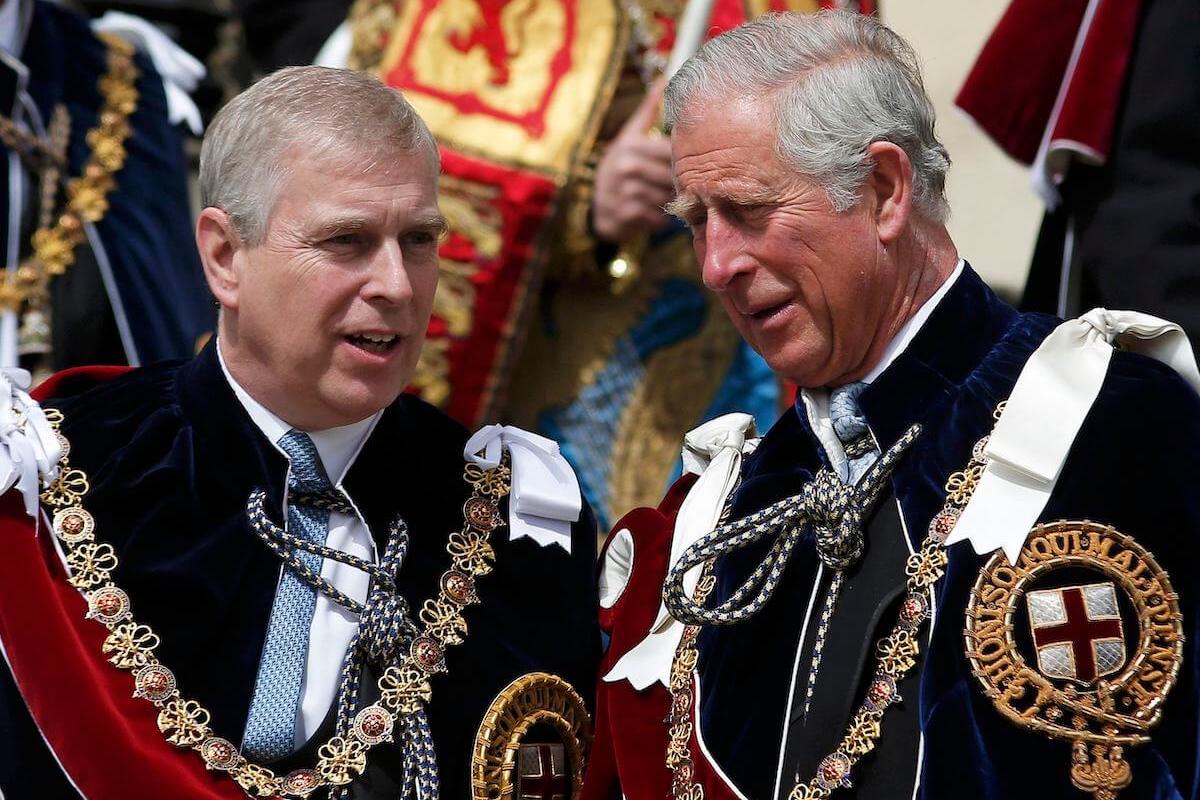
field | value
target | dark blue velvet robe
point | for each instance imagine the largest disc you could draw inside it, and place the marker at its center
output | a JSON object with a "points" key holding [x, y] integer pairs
{"points": [[172, 456], [1134, 465]]}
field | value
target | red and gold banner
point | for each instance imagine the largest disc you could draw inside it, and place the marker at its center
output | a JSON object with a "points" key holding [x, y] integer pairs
{"points": [[515, 92]]}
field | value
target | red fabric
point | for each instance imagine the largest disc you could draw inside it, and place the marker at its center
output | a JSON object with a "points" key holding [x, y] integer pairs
{"points": [[630, 747], [75, 380], [1012, 89], [631, 734], [501, 281], [107, 741], [1089, 111]]}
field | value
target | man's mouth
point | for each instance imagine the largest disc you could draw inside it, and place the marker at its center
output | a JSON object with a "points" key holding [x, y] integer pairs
{"points": [[764, 314], [374, 343]]}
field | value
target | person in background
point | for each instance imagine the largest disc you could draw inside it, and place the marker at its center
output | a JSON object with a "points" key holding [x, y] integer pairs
{"points": [[570, 303], [100, 265]]}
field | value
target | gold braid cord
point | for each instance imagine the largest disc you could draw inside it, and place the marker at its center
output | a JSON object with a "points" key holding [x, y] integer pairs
{"points": [[87, 196], [896, 655], [184, 723]]}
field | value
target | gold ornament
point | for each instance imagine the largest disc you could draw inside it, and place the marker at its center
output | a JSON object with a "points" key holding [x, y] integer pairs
{"points": [[67, 488], [404, 689], [341, 760], [471, 552], [535, 699], [130, 645], [184, 722], [90, 564]]}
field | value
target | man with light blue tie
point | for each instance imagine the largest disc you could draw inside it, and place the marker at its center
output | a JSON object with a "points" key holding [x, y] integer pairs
{"points": [[277, 575], [962, 564]]}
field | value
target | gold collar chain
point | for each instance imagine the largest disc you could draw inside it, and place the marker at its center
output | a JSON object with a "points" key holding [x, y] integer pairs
{"points": [[403, 688], [87, 196], [896, 655]]}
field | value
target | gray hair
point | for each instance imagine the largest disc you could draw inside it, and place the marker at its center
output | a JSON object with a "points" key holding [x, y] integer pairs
{"points": [[839, 81], [324, 111]]}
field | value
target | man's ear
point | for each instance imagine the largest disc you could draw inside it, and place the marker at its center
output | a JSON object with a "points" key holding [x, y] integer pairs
{"points": [[219, 243], [891, 182]]}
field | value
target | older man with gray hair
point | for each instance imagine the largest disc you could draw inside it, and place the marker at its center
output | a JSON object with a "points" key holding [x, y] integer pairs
{"points": [[802, 615], [273, 574]]}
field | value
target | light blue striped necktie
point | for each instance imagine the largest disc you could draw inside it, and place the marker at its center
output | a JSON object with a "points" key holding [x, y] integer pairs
{"points": [[271, 724], [851, 428]]}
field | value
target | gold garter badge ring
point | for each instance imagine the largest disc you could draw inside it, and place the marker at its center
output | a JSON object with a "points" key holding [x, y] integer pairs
{"points": [[1080, 640], [532, 742]]}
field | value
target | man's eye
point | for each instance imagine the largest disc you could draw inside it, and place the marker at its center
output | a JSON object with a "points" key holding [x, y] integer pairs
{"points": [[344, 240], [420, 238], [750, 210]]}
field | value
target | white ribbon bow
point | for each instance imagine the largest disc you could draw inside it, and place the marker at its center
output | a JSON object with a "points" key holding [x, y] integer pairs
{"points": [[1029, 445], [29, 449], [179, 70], [714, 452], [544, 499]]}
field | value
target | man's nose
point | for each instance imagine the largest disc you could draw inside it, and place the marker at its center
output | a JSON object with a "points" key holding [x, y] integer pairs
{"points": [[720, 251], [388, 278]]}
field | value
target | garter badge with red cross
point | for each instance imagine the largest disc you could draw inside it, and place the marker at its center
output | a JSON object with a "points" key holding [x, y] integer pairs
{"points": [[1080, 640], [1077, 631]]}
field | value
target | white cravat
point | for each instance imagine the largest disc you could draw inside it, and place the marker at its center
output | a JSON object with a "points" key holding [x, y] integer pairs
{"points": [[332, 625]]}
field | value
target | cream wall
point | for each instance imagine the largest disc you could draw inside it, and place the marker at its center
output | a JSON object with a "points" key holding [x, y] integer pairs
{"points": [[995, 214]]}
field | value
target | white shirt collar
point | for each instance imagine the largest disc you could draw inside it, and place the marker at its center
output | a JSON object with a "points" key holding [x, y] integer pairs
{"points": [[337, 447], [816, 401]]}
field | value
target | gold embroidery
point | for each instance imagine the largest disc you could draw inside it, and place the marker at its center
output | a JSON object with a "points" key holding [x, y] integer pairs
{"points": [[1099, 713], [755, 8], [491, 80], [534, 699]]}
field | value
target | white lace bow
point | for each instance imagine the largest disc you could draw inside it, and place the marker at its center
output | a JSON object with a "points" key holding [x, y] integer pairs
{"points": [[29, 448]]}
